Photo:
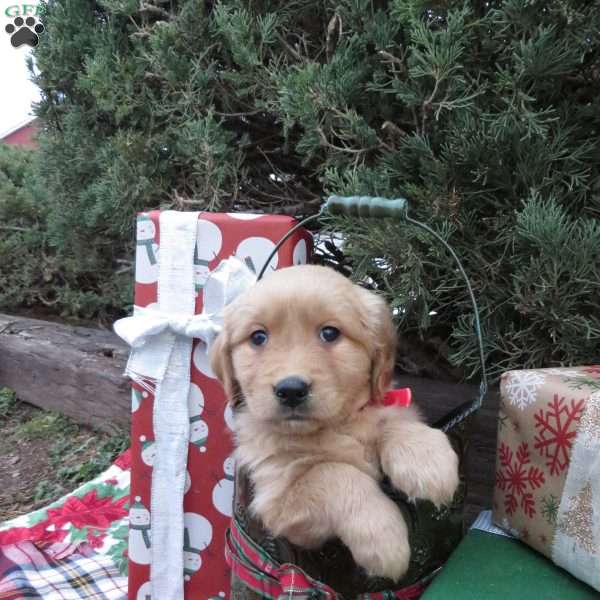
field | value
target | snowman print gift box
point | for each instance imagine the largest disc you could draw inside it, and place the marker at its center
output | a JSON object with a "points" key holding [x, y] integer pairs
{"points": [[208, 473]]}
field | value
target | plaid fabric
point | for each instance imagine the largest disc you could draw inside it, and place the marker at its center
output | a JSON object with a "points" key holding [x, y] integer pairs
{"points": [[75, 547], [262, 574], [56, 572]]}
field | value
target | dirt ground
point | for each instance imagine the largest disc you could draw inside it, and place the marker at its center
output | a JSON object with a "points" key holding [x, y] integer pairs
{"points": [[44, 455]]}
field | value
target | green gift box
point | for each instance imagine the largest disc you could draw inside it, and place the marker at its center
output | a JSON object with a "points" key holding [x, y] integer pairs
{"points": [[486, 566]]}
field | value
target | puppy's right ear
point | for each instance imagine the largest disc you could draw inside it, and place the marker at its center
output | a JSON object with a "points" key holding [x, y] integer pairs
{"points": [[376, 319], [222, 365]]}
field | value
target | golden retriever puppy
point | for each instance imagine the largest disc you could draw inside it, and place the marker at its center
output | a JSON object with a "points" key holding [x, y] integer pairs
{"points": [[307, 355]]}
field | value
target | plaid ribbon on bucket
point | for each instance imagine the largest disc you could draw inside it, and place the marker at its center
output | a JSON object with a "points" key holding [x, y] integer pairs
{"points": [[265, 576]]}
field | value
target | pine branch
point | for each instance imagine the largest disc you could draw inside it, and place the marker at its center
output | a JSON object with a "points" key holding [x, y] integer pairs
{"points": [[155, 10]]}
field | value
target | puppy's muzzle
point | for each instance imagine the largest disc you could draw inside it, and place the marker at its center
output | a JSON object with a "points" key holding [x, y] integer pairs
{"points": [[292, 391]]}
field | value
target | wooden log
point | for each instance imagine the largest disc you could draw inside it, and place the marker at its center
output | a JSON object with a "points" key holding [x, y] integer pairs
{"points": [[77, 371]]}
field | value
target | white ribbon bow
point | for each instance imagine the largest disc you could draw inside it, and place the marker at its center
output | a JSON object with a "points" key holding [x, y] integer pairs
{"points": [[230, 279], [148, 322]]}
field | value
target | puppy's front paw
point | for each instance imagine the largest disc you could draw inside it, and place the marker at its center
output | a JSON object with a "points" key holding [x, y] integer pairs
{"points": [[427, 469], [383, 549]]}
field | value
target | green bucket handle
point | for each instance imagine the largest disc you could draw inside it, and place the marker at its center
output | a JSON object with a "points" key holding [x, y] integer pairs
{"points": [[397, 208]]}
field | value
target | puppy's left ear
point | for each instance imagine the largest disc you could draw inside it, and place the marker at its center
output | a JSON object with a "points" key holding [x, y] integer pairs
{"points": [[376, 318]]}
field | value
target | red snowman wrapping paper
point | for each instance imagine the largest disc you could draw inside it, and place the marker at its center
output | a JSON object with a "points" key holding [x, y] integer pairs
{"points": [[208, 491], [547, 489]]}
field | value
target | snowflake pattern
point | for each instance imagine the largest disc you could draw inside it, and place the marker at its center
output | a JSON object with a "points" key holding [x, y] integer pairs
{"points": [[521, 387], [518, 478], [550, 506], [556, 429]]}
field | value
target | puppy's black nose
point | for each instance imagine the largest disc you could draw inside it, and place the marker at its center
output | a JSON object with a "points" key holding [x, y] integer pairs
{"points": [[292, 391]]}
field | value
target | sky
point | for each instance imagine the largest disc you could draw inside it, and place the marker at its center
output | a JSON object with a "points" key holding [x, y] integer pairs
{"points": [[16, 91]]}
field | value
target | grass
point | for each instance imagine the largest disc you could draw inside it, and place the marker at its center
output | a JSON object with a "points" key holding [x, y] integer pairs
{"points": [[8, 400], [47, 426], [45, 455]]}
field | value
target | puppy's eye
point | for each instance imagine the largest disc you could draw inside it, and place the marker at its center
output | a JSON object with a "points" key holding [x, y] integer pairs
{"points": [[329, 334], [258, 337]]}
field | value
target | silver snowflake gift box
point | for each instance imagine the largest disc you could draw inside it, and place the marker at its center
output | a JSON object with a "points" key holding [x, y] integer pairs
{"points": [[547, 485]]}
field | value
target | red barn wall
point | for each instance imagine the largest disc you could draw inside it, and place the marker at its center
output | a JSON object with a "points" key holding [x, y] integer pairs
{"points": [[23, 136]]}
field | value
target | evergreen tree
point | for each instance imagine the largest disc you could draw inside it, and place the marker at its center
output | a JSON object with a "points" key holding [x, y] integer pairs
{"points": [[485, 115], [22, 217]]}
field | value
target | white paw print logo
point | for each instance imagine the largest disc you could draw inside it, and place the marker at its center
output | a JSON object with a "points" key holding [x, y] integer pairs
{"points": [[24, 32]]}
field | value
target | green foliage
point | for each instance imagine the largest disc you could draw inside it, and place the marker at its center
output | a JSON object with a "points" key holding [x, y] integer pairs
{"points": [[495, 143], [77, 455], [61, 453], [8, 400], [47, 426], [85, 465], [39, 270], [23, 268], [484, 114]]}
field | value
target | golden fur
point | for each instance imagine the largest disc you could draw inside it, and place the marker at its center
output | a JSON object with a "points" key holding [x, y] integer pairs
{"points": [[317, 476]]}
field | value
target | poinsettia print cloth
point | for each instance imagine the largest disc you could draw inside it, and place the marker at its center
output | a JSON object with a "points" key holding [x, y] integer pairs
{"points": [[75, 547]]}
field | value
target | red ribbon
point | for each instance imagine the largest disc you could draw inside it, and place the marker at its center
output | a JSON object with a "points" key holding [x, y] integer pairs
{"points": [[398, 397]]}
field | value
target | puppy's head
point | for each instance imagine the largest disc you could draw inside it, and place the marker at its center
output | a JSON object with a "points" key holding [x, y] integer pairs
{"points": [[305, 348]]}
